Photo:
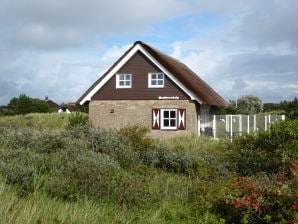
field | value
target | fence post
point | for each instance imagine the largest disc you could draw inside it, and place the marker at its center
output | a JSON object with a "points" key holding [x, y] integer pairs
{"points": [[214, 127], [240, 125], [231, 127], [227, 123], [255, 121], [247, 124], [265, 122]]}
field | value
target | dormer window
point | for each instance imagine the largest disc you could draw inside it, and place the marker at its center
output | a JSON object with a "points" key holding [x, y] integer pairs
{"points": [[123, 81], [156, 80]]}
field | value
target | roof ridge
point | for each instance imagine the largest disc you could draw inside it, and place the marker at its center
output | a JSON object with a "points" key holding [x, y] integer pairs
{"points": [[178, 69]]}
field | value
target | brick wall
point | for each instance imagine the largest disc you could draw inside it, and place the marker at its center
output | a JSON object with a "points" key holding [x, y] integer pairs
{"points": [[118, 113]]}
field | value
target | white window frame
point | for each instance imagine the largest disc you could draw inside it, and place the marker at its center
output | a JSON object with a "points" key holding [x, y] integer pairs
{"points": [[157, 79], [162, 126], [119, 79]]}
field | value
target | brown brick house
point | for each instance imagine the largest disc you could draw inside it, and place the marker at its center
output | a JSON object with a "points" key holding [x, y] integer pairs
{"points": [[149, 88]]}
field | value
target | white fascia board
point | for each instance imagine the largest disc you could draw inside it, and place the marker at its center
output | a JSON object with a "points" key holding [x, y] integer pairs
{"points": [[110, 74], [123, 61], [171, 76]]}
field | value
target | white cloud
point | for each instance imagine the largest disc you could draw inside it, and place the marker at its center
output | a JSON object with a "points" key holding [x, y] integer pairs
{"points": [[59, 48]]}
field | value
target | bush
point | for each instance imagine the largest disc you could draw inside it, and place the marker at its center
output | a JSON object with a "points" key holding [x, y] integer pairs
{"points": [[266, 151], [137, 136], [77, 119], [263, 199], [77, 173], [23, 169], [176, 160], [115, 145]]}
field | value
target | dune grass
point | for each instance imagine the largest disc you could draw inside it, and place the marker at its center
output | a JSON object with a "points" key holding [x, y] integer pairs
{"points": [[36, 121], [53, 174]]}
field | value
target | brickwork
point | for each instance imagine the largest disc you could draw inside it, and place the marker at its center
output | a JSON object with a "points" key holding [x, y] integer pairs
{"points": [[118, 113]]}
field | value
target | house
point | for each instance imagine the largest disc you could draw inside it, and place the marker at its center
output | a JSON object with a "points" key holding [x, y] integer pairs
{"points": [[54, 106], [149, 88], [64, 108], [67, 108]]}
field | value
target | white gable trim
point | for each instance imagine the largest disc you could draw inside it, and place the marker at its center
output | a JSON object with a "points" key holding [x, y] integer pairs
{"points": [[118, 66], [171, 76]]}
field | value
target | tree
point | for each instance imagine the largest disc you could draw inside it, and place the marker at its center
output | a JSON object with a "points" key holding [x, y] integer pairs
{"points": [[291, 108], [24, 105], [248, 104]]}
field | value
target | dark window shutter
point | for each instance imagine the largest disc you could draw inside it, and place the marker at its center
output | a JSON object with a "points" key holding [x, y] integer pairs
{"points": [[156, 119], [181, 119]]}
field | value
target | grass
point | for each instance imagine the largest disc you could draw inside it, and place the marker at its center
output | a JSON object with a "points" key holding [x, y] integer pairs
{"points": [[38, 207], [36, 121], [152, 192]]}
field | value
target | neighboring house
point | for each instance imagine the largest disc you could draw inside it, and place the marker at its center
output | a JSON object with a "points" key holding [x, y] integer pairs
{"points": [[149, 88], [67, 108], [64, 108], [53, 105]]}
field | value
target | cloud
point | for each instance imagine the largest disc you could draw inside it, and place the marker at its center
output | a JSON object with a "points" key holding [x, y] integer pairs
{"points": [[61, 24], [253, 52], [59, 48]]}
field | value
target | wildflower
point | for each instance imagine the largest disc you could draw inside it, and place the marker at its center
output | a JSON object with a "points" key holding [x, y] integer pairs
{"points": [[253, 186], [295, 166], [237, 204], [294, 206], [243, 178], [253, 195], [255, 206], [295, 195]]}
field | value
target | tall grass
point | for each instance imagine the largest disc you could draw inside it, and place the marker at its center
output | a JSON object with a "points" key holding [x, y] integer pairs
{"points": [[54, 174], [40, 208], [36, 121]]}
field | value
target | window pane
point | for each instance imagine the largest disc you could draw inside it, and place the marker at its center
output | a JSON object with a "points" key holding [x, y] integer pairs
{"points": [[160, 76], [121, 83], [160, 82], [153, 76], [166, 114], [166, 123], [173, 123], [173, 114], [127, 83]]}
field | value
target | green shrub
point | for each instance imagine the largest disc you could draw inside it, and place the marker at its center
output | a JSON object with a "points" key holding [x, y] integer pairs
{"points": [[19, 138], [269, 152], [137, 136], [77, 119], [48, 141], [115, 145], [176, 160], [77, 173], [23, 169]]}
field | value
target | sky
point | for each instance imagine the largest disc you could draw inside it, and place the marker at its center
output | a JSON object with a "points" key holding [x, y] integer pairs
{"points": [[58, 48]]}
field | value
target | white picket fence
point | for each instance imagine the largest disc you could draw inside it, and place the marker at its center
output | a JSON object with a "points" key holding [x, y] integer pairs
{"points": [[229, 126]]}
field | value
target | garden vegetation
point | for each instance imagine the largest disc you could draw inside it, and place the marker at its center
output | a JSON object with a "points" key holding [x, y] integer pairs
{"points": [[56, 168]]}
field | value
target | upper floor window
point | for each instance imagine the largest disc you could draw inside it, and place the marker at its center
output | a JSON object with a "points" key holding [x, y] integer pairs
{"points": [[156, 80], [123, 81]]}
